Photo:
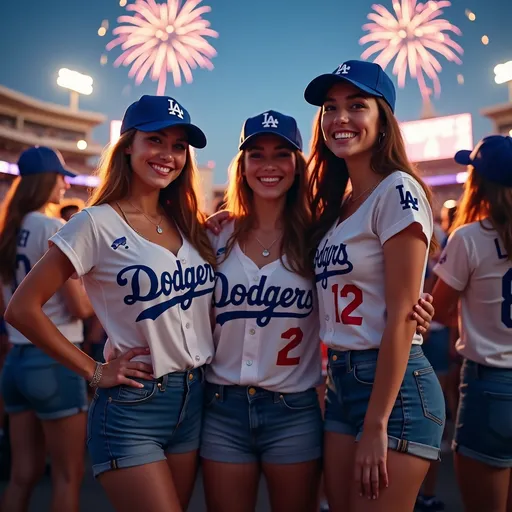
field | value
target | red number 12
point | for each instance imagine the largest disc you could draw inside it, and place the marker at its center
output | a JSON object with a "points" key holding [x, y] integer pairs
{"points": [[346, 315]]}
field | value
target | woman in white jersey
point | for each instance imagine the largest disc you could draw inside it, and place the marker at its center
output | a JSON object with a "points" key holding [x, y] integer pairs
{"points": [[147, 267], [46, 401], [370, 252], [476, 267], [262, 412]]}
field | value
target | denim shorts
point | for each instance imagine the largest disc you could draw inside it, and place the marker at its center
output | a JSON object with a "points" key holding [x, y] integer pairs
{"points": [[245, 424], [130, 426], [417, 419], [483, 428], [437, 350], [33, 381]]}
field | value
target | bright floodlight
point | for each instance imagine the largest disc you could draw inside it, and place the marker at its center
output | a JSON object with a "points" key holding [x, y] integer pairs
{"points": [[503, 72], [75, 81], [81, 145]]}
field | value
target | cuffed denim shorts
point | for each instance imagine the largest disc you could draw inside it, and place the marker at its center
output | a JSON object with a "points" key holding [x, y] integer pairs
{"points": [[245, 424], [417, 420], [33, 381], [130, 426], [483, 428]]}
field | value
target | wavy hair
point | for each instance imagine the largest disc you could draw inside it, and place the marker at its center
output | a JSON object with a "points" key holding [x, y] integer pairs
{"points": [[329, 174], [484, 199], [178, 200], [296, 216]]}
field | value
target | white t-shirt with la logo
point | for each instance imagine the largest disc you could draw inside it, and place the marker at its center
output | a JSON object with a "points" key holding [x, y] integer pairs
{"points": [[143, 295], [266, 324], [476, 263], [349, 263]]}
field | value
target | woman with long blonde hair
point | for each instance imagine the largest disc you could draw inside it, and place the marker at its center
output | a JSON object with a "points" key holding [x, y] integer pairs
{"points": [[45, 401], [476, 268], [148, 269], [384, 412]]}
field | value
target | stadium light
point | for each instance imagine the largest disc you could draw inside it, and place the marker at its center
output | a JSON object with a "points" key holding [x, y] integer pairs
{"points": [[76, 83], [503, 75]]}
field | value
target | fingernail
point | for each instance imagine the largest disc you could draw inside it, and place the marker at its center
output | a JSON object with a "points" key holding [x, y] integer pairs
{"points": [[141, 385]]}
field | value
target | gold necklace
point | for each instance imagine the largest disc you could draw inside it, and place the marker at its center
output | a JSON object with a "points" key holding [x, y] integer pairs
{"points": [[369, 190], [159, 230]]}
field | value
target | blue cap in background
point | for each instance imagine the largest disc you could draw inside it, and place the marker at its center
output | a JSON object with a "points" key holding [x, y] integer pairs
{"points": [[40, 159]]}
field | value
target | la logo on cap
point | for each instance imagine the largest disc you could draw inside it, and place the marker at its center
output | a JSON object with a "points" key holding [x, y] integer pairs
{"points": [[269, 121], [175, 109], [343, 69]]}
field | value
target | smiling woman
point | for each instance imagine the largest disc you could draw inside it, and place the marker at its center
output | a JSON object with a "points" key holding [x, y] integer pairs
{"points": [[147, 266]]}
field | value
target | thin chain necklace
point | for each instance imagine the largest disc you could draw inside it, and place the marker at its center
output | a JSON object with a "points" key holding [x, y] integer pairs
{"points": [[368, 190], [159, 229], [129, 223], [266, 250]]}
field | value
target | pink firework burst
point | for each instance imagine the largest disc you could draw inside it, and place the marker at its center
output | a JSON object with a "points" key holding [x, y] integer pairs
{"points": [[411, 37], [161, 38]]}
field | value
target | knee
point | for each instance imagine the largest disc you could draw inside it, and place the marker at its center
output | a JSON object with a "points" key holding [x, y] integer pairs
{"points": [[69, 473], [26, 475]]}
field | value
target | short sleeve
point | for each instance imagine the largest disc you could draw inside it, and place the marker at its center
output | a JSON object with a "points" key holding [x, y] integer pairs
{"points": [[78, 240], [403, 203], [454, 266]]}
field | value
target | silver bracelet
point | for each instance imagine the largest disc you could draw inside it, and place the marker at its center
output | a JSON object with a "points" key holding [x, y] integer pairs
{"points": [[98, 372]]}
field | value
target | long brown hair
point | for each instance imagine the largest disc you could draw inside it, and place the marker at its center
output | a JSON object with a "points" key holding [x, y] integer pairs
{"points": [[178, 199], [26, 194], [329, 174], [483, 199], [296, 216]]}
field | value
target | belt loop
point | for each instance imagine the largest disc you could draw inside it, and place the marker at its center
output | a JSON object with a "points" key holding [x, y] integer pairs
{"points": [[349, 360], [220, 391], [162, 382]]}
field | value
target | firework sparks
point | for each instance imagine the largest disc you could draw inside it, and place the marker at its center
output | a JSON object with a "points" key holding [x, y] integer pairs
{"points": [[162, 38], [411, 37]]}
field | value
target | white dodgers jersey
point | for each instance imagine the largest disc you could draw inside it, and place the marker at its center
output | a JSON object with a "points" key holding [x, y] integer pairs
{"points": [[475, 263], [349, 263], [32, 243], [266, 326], [143, 295]]}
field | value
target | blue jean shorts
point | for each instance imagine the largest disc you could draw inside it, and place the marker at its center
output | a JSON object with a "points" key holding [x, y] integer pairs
{"points": [[33, 381], [417, 420], [483, 428], [437, 350], [245, 424], [130, 426]]}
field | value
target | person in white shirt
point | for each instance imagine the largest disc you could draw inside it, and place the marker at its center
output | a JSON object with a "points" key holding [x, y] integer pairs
{"points": [[475, 268], [385, 409], [262, 412], [148, 268], [46, 402]]}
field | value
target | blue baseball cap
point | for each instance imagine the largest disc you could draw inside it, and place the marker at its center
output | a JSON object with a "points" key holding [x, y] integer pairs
{"points": [[40, 159], [367, 76], [491, 158], [153, 113], [271, 122]]}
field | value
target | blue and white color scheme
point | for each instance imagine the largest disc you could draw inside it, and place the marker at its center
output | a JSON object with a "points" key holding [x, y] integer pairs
{"points": [[349, 263], [143, 295], [475, 263], [266, 325], [35, 230]]}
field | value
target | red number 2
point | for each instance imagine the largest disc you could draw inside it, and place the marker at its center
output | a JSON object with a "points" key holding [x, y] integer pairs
{"points": [[295, 336], [346, 314]]}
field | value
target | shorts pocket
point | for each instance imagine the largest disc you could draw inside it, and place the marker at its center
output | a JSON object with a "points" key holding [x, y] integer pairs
{"points": [[499, 414], [431, 395], [365, 373], [300, 401], [128, 395]]}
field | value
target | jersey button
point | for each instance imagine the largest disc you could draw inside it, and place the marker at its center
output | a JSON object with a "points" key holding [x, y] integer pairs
{"points": [[187, 326], [197, 358], [255, 279], [252, 391], [248, 363], [252, 332], [326, 318], [183, 260]]}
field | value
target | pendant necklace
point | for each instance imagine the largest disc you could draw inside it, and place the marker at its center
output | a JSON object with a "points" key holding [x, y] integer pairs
{"points": [[266, 250], [159, 229]]}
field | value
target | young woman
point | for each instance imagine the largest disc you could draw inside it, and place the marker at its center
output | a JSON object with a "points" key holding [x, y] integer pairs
{"points": [[147, 266], [46, 402], [476, 267], [385, 408], [262, 411]]}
